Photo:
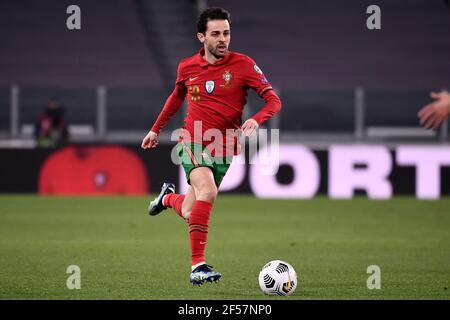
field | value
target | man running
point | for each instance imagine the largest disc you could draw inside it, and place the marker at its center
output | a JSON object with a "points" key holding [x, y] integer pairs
{"points": [[216, 82]]}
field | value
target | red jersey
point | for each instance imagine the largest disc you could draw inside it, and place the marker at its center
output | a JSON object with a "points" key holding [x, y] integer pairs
{"points": [[217, 94]]}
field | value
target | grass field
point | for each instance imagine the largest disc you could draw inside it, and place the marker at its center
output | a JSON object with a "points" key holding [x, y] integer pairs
{"points": [[124, 253]]}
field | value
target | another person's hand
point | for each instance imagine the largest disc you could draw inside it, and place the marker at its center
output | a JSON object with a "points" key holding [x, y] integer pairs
{"points": [[432, 115], [249, 127], [150, 140]]}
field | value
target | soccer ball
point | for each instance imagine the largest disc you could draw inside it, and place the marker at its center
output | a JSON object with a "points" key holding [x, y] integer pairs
{"points": [[278, 278]]}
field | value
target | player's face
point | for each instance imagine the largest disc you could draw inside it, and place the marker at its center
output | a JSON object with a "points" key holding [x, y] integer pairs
{"points": [[216, 38]]}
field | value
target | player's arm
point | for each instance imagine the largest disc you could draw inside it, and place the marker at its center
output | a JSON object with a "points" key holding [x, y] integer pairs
{"points": [[271, 107], [257, 81], [432, 115], [172, 105]]}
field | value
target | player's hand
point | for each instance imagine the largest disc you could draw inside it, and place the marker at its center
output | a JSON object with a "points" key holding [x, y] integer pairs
{"points": [[150, 140], [249, 127], [432, 115]]}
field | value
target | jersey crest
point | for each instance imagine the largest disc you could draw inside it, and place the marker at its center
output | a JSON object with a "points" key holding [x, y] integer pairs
{"points": [[227, 76]]}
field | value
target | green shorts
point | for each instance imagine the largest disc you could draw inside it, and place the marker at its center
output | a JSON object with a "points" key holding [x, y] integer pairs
{"points": [[194, 155]]}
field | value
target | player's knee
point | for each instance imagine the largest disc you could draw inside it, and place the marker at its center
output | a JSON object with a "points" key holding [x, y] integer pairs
{"points": [[208, 194], [186, 213]]}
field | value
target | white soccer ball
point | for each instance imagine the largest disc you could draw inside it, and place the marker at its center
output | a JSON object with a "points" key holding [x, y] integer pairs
{"points": [[278, 278]]}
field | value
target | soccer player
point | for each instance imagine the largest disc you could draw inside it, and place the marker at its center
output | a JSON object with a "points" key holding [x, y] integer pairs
{"points": [[215, 81], [432, 115]]}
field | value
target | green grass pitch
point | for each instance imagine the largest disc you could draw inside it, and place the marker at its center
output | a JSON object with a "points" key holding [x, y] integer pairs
{"points": [[124, 253]]}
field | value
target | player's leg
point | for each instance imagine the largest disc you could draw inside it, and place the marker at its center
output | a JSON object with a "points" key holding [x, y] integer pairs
{"points": [[202, 181], [180, 203], [168, 198], [188, 203]]}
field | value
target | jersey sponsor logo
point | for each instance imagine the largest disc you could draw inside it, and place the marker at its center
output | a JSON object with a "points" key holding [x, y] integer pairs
{"points": [[192, 79], [209, 86], [257, 69], [227, 76]]}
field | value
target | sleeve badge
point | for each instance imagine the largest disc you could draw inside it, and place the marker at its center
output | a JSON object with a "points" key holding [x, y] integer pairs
{"points": [[257, 69]]}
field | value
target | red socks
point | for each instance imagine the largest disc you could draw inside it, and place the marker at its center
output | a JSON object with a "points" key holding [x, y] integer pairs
{"points": [[175, 201], [198, 230], [198, 223]]}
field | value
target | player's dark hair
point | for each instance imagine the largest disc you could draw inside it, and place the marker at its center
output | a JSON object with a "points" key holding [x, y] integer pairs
{"points": [[213, 13]]}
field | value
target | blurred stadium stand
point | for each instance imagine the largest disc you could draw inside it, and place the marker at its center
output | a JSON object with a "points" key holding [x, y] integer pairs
{"points": [[326, 45], [170, 30], [337, 79], [110, 49]]}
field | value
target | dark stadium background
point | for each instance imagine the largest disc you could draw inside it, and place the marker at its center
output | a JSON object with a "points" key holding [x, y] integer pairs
{"points": [[339, 81]]}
